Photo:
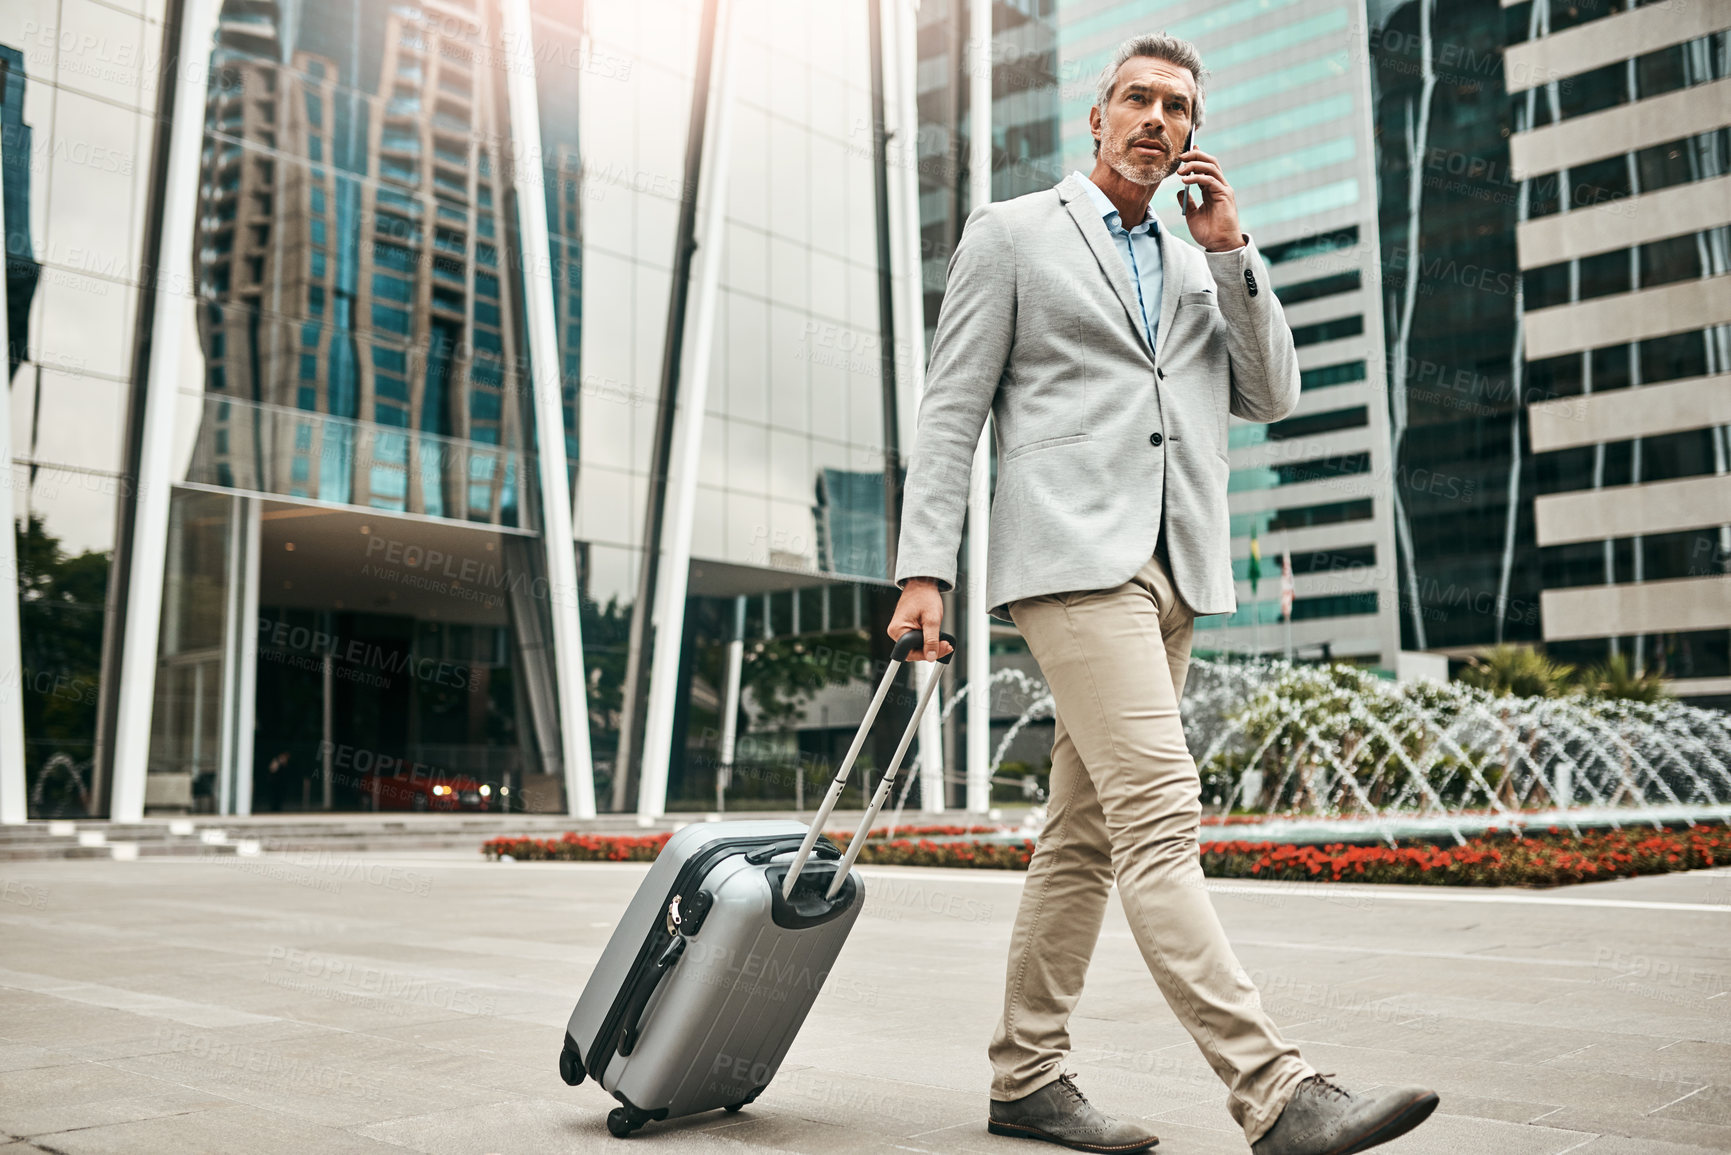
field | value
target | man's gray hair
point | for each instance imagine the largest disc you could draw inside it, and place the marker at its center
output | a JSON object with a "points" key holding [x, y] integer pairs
{"points": [[1161, 47]]}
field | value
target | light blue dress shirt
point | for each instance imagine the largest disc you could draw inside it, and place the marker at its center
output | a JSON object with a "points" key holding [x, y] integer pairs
{"points": [[1140, 248]]}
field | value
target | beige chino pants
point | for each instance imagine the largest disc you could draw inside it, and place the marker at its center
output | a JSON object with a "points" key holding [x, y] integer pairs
{"points": [[1125, 803]]}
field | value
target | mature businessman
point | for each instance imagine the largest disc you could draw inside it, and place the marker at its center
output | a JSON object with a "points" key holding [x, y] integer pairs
{"points": [[1110, 355]]}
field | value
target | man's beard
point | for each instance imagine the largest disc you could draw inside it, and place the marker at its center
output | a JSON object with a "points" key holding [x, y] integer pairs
{"points": [[1148, 172]]}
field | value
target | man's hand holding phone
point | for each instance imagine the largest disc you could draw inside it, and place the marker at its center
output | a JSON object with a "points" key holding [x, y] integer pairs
{"points": [[1214, 222]]}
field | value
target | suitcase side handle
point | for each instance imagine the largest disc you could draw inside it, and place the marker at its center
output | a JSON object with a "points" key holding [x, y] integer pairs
{"points": [[823, 849], [640, 997], [906, 645]]}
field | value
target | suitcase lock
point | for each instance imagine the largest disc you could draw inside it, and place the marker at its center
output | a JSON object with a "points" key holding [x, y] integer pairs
{"points": [[673, 919]]}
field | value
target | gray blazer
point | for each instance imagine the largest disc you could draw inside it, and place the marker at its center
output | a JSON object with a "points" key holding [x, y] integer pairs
{"points": [[1101, 440]]}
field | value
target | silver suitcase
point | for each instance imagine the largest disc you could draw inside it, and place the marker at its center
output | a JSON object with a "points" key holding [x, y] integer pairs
{"points": [[722, 952]]}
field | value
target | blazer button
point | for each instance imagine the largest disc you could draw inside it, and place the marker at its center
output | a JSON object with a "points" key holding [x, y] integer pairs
{"points": [[1250, 281], [1161, 373], [1155, 439]]}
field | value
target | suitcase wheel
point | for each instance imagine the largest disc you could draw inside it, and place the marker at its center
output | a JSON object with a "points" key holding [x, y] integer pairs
{"points": [[732, 1108], [621, 1122], [570, 1065]]}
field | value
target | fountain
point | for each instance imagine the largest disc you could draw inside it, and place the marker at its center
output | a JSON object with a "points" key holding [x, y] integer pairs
{"points": [[1334, 753]]}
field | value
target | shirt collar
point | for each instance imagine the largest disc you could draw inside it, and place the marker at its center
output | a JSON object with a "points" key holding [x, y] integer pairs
{"points": [[1109, 210]]}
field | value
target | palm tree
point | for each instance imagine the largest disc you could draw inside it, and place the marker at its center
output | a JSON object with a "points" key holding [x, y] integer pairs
{"points": [[1613, 678], [1517, 671]]}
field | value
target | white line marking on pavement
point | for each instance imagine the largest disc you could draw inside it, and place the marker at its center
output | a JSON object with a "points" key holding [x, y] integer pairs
{"points": [[1322, 890], [1679, 1099], [137, 1002], [1326, 890], [1334, 892], [1463, 956]]}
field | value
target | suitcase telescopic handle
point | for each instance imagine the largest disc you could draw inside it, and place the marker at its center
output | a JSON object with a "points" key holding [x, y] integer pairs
{"points": [[907, 644]]}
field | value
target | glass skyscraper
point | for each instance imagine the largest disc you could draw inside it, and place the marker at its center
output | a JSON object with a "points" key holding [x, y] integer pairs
{"points": [[1287, 112], [1557, 327], [1624, 248]]}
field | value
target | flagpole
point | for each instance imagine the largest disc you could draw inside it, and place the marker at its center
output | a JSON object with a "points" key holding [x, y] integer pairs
{"points": [[1288, 594], [1255, 576]]}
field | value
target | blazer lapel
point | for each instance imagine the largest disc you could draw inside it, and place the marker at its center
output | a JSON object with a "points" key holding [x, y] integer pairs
{"points": [[1171, 287], [1099, 240]]}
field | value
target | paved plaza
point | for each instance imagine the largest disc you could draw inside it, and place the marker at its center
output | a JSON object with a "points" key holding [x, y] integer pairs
{"points": [[329, 1003]]}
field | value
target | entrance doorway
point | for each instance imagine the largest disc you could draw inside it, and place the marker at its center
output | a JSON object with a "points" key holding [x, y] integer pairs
{"points": [[347, 661], [388, 674]]}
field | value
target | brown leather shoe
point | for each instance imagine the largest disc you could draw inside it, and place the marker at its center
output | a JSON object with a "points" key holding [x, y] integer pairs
{"points": [[1323, 1118], [1060, 1113]]}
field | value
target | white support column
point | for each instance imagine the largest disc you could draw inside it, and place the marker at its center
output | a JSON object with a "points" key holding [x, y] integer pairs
{"points": [[979, 623], [563, 593], [675, 546], [228, 696], [902, 120], [246, 654], [730, 705], [14, 799], [174, 301], [904, 155]]}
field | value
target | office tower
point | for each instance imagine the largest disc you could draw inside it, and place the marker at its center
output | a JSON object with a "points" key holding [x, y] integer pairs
{"points": [[1287, 112], [17, 144], [1622, 145], [1448, 206]]}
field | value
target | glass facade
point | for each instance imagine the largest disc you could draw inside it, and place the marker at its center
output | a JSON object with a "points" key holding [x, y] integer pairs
{"points": [[355, 608], [789, 527], [1447, 212], [362, 378], [78, 91], [1667, 252], [1286, 112]]}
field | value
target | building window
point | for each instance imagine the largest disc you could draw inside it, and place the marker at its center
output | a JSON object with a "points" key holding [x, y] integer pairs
{"points": [[392, 288], [1321, 287], [391, 320], [1329, 513], [1326, 375], [1335, 330]]}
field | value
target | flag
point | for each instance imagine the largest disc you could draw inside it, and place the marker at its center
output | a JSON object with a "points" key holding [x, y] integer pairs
{"points": [[1255, 560], [1286, 588]]}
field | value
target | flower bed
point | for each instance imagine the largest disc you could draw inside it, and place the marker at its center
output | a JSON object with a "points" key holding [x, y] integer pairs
{"points": [[1553, 858]]}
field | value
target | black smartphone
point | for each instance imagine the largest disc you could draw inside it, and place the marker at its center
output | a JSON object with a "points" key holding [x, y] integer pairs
{"points": [[1190, 143]]}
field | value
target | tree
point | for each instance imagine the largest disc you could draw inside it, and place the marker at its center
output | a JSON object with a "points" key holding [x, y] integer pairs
{"points": [[783, 673], [1613, 678], [1517, 671], [61, 602]]}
